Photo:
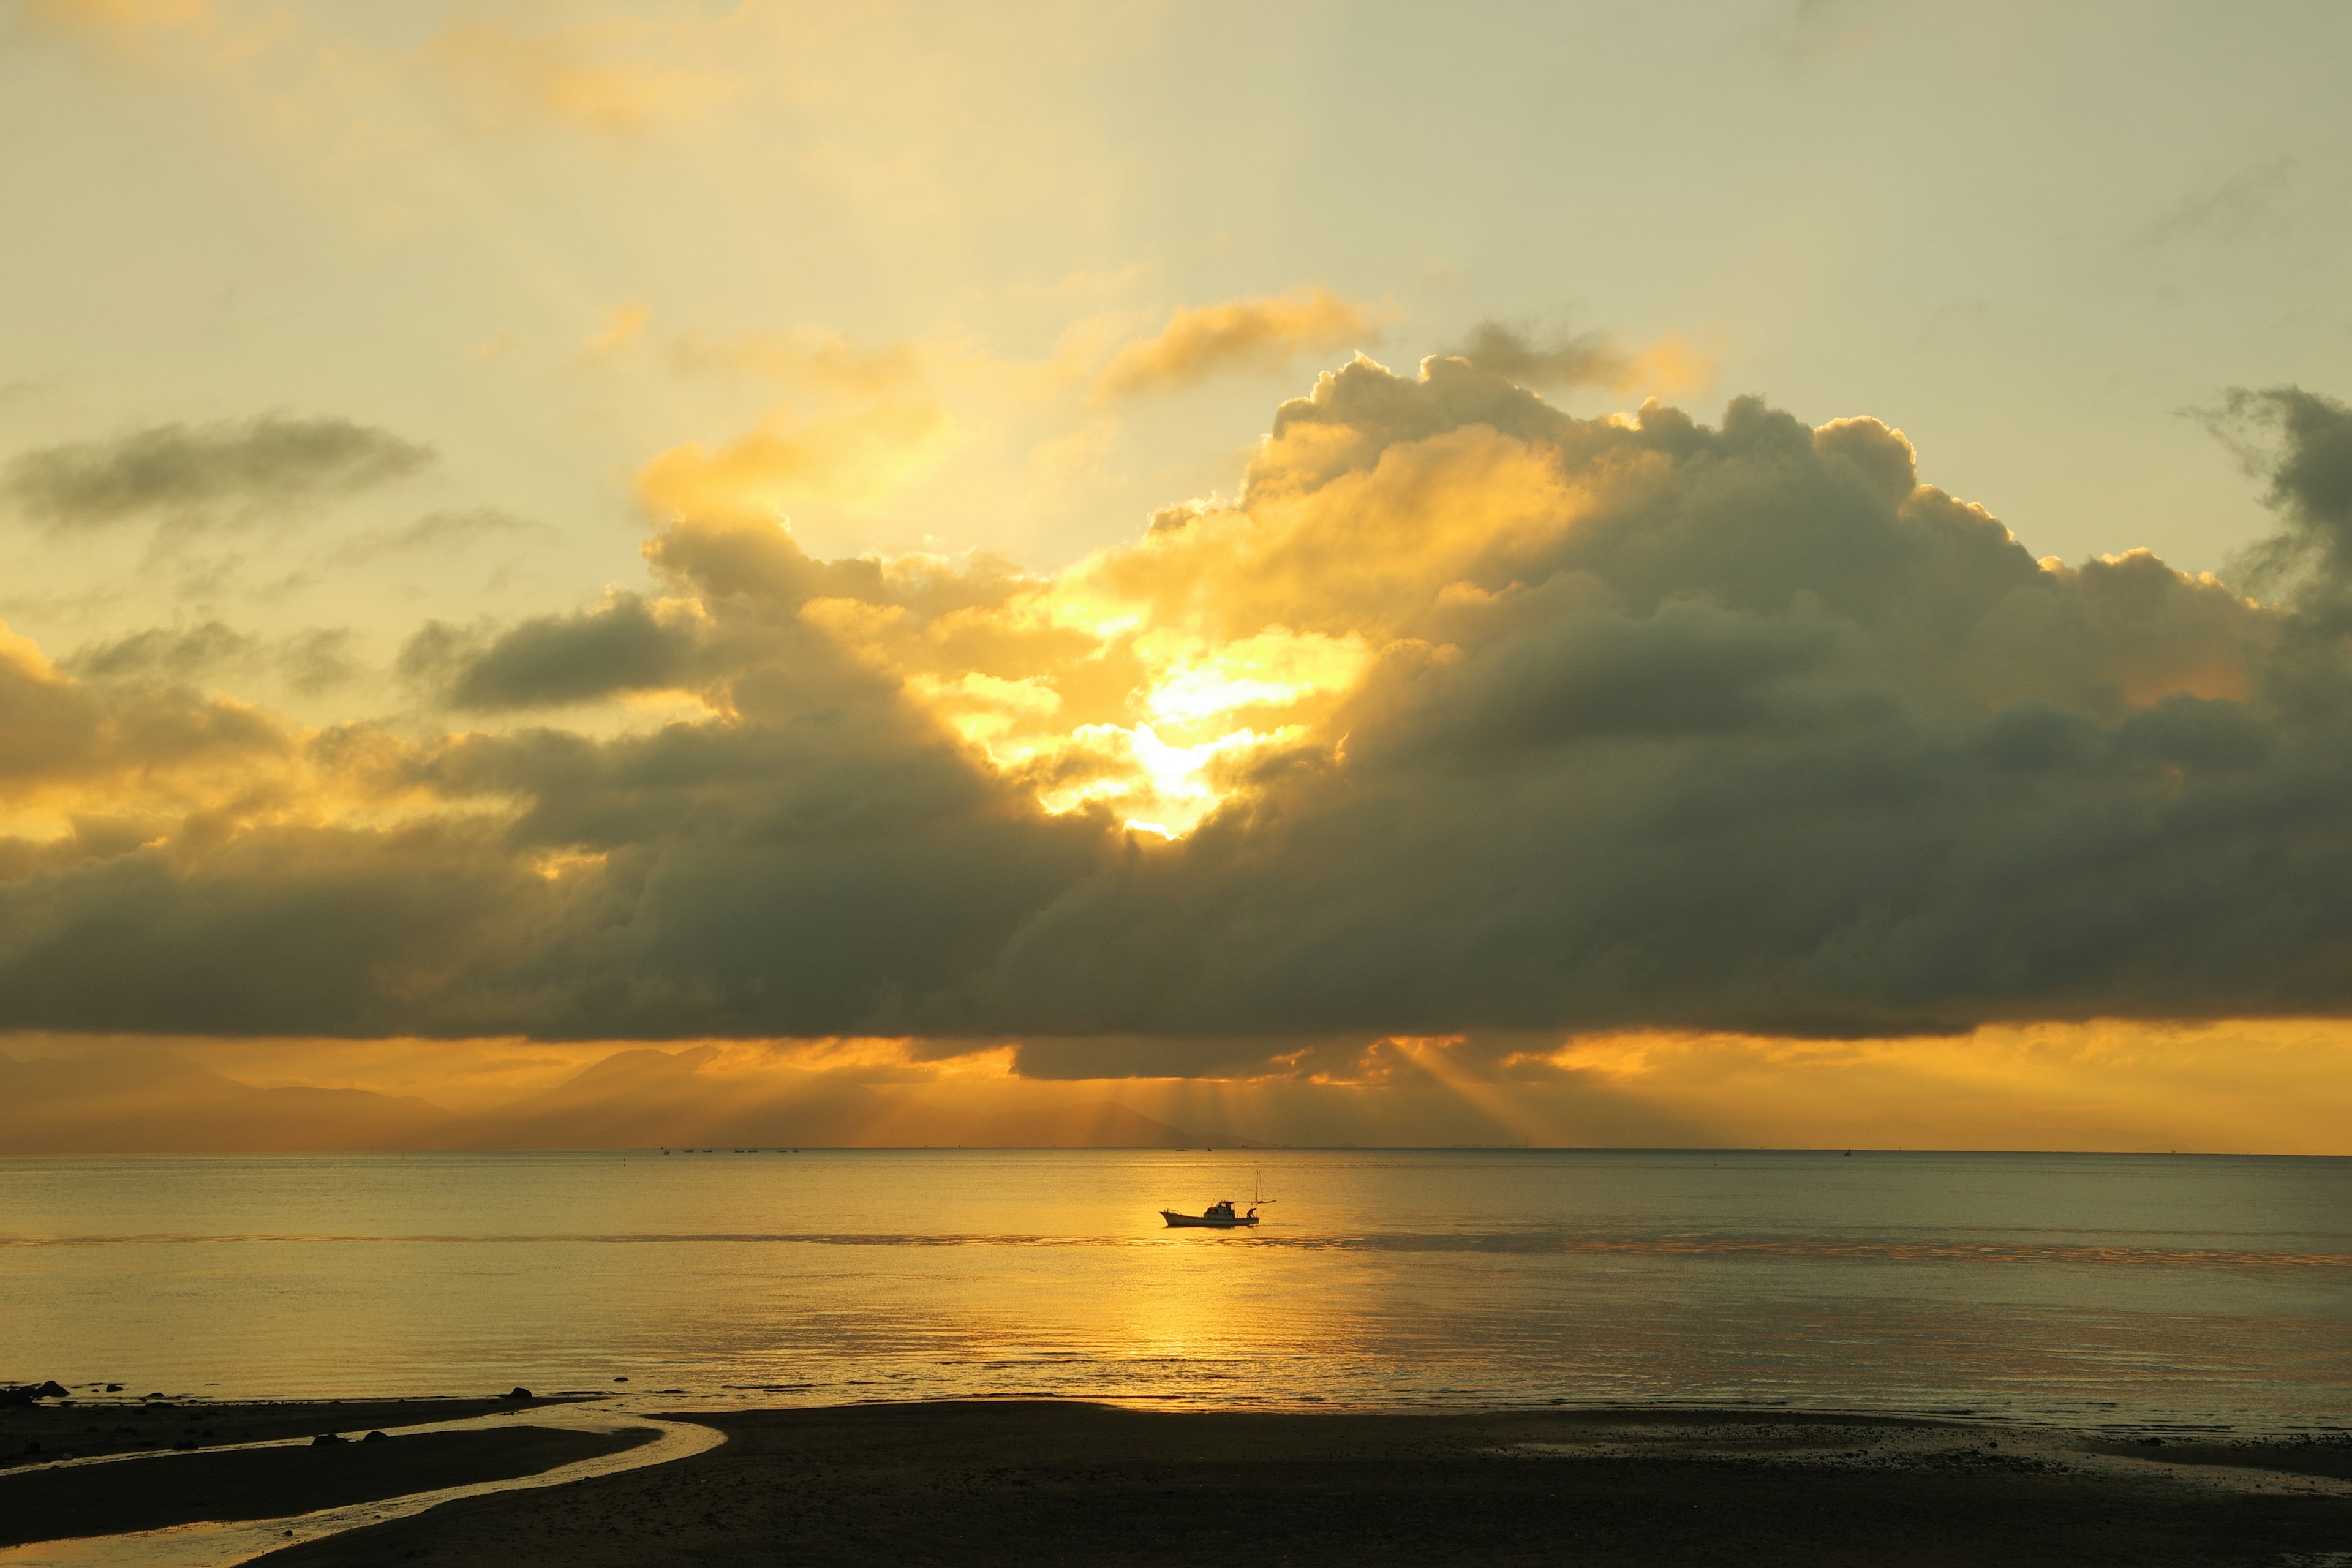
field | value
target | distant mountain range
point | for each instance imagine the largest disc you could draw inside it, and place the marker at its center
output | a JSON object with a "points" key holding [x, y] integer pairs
{"points": [[134, 1100], [143, 1101]]}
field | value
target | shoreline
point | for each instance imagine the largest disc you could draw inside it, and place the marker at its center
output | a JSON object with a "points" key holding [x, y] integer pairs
{"points": [[1064, 1481]]}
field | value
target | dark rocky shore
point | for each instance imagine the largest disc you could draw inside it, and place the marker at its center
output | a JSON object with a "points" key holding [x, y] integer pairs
{"points": [[1051, 1482]]}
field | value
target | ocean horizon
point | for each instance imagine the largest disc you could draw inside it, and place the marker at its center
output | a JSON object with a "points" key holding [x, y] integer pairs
{"points": [[2191, 1290]]}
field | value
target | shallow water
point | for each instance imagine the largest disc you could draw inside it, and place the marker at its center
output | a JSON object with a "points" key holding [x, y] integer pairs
{"points": [[2083, 1289]]}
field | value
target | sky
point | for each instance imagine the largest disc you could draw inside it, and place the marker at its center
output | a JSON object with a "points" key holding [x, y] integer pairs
{"points": [[1770, 572]]}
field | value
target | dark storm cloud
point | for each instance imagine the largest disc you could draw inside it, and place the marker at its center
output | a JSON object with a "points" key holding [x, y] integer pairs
{"points": [[556, 661], [1662, 724], [2302, 443], [219, 471], [828, 859]]}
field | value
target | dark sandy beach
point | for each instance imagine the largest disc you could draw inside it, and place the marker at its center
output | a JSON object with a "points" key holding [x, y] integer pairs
{"points": [[1039, 1481], [1049, 1482], [43, 1500]]}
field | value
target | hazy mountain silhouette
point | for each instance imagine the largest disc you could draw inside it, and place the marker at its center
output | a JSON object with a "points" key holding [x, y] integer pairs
{"points": [[647, 1098], [135, 1100]]}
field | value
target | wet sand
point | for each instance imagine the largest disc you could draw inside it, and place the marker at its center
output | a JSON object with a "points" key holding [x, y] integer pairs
{"points": [[1046, 1482], [42, 1498], [44, 1433], [274, 1483]]}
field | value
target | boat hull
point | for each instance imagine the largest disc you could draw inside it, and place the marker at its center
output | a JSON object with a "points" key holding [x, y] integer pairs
{"points": [[1199, 1222]]}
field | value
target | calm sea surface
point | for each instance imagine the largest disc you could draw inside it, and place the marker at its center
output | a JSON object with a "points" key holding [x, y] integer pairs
{"points": [[2084, 1288]]}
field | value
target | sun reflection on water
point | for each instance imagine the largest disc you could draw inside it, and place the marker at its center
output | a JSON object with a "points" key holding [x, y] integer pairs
{"points": [[2055, 1286]]}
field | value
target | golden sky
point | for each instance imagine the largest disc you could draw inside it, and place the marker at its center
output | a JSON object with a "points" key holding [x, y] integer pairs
{"points": [[1774, 574]]}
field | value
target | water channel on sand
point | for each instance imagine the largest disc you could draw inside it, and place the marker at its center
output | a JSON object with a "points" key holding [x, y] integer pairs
{"points": [[220, 1545]]}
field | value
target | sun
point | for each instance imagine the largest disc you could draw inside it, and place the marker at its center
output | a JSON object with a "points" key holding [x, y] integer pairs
{"points": [[1181, 735]]}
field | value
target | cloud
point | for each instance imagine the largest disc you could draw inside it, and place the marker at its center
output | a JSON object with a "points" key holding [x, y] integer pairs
{"points": [[437, 531], [851, 456], [122, 19], [227, 471], [622, 325], [309, 662], [1463, 727], [1813, 29], [1209, 339], [628, 644], [184, 653], [2228, 206], [2301, 442], [806, 358], [614, 79], [156, 746], [1666, 367]]}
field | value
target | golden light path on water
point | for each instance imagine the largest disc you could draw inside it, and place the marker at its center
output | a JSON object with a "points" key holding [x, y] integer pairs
{"points": [[2078, 1290]]}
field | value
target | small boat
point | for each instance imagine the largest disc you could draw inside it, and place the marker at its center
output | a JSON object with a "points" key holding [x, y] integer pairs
{"points": [[1219, 1216]]}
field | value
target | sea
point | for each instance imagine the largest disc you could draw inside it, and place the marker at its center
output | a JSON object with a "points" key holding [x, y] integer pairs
{"points": [[2126, 1291]]}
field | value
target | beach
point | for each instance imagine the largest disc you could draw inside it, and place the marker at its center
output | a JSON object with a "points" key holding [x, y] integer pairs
{"points": [[179, 1463], [1059, 1481]]}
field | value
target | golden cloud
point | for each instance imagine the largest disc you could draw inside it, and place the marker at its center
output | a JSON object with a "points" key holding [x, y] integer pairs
{"points": [[1466, 723], [809, 358], [611, 78], [1266, 334], [123, 18], [624, 324], [142, 747], [851, 457]]}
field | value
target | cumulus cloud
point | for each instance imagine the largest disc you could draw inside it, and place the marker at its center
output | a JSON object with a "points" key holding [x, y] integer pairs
{"points": [[162, 743], [1206, 340], [1666, 367], [2302, 443], [228, 471], [1465, 723]]}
